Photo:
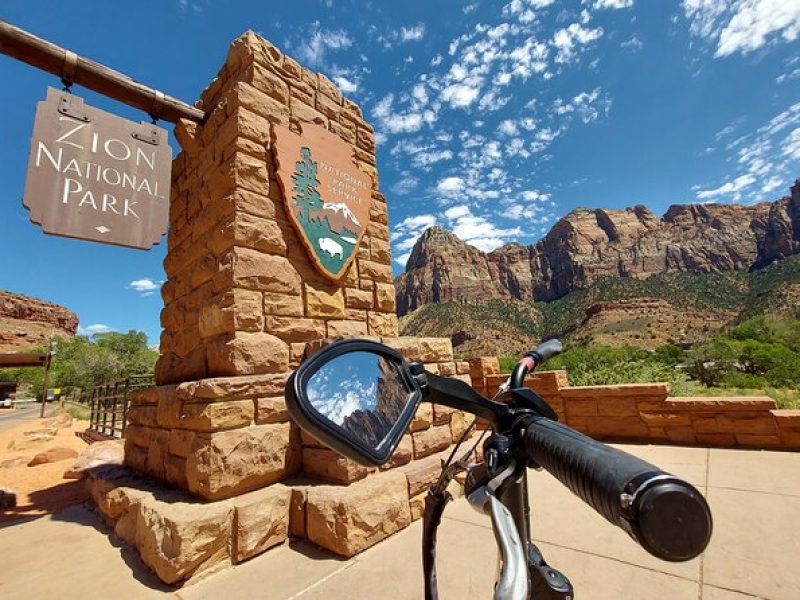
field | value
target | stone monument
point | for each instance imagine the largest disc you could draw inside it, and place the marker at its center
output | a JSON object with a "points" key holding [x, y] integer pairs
{"points": [[278, 242]]}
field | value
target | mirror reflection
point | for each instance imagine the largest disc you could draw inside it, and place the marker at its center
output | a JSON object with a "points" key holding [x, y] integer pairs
{"points": [[361, 392]]}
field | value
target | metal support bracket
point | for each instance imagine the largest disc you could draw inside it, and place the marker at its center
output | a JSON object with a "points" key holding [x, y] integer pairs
{"points": [[148, 136], [69, 68], [66, 107]]}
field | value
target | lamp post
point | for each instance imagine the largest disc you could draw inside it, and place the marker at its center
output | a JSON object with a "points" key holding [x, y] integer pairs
{"points": [[50, 353]]}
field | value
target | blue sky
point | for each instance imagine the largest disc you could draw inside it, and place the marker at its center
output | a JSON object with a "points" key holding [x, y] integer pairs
{"points": [[494, 118]]}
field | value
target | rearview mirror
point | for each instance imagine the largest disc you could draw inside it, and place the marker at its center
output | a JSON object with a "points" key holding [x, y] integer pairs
{"points": [[355, 396]]}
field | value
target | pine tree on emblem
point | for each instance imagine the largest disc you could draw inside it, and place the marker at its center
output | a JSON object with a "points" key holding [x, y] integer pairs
{"points": [[305, 193]]}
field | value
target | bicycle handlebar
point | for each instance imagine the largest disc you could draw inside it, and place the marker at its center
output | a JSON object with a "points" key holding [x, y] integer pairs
{"points": [[667, 516], [533, 359]]}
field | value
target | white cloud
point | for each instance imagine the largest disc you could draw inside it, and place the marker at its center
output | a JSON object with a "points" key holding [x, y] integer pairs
{"points": [[319, 41], [90, 330], [393, 122], [477, 230], [733, 188], [144, 286], [634, 43], [460, 95], [406, 185], [766, 158], [508, 127], [791, 145], [587, 105], [567, 41], [347, 86], [743, 25], [794, 74], [450, 186], [412, 34], [470, 8], [612, 4]]}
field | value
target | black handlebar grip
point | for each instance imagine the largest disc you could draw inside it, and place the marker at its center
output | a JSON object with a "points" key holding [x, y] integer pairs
{"points": [[667, 516], [548, 349]]}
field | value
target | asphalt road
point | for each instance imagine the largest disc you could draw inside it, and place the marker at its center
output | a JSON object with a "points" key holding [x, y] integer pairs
{"points": [[11, 417]]}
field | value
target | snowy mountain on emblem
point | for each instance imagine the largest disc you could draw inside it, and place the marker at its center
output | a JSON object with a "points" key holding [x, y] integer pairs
{"points": [[339, 216]]}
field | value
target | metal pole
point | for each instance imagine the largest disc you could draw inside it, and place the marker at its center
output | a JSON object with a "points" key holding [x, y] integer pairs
{"points": [[46, 374], [22, 45]]}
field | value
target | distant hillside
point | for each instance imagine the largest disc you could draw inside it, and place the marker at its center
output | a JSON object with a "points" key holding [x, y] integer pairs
{"points": [[27, 322], [665, 307], [587, 246]]}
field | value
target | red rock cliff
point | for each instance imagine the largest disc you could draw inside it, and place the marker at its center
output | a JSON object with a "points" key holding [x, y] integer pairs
{"points": [[27, 322], [588, 244]]}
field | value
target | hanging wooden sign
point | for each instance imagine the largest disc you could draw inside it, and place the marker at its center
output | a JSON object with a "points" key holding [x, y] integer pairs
{"points": [[327, 196], [96, 176]]}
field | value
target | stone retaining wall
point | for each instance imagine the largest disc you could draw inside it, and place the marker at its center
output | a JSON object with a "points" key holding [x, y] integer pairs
{"points": [[647, 413]]}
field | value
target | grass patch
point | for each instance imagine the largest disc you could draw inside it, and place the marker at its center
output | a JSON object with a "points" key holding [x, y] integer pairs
{"points": [[784, 397], [78, 411]]}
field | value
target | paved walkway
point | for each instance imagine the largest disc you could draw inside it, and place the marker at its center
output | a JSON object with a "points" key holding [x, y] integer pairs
{"points": [[754, 553]]}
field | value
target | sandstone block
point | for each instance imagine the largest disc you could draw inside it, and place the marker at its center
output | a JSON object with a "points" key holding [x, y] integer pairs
{"points": [[617, 428], [29, 442], [423, 418], [271, 410], [297, 512], [293, 329], [264, 272], [421, 474], [51, 455], [284, 305], [325, 464], [268, 82], [180, 539], [214, 416], [616, 407], [382, 324], [431, 440], [247, 96], [417, 506], [384, 297], [328, 107], [258, 233], [435, 350], [246, 353], [180, 442], [580, 408], [157, 451], [355, 298], [402, 454], [261, 521], [459, 422], [441, 414], [99, 454], [327, 87], [323, 300], [377, 271], [347, 520], [226, 463], [233, 387], [339, 329], [483, 366]]}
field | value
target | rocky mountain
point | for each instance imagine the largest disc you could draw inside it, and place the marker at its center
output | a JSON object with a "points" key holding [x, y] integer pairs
{"points": [[588, 245], [27, 322], [669, 307]]}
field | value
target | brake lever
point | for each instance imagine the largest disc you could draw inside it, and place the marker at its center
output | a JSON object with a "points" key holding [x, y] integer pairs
{"points": [[513, 581]]}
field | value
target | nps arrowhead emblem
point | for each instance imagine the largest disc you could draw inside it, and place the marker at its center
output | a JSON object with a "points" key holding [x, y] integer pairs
{"points": [[327, 196]]}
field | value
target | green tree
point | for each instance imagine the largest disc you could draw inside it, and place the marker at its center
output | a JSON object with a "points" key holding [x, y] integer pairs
{"points": [[711, 361], [305, 192], [83, 362]]}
